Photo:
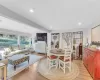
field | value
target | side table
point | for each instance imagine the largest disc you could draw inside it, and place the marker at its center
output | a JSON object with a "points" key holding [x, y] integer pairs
{"points": [[4, 67]]}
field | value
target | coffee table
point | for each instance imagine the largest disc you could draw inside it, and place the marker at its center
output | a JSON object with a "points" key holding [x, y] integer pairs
{"points": [[18, 59]]}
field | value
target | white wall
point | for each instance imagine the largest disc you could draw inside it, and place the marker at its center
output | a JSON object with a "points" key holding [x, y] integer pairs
{"points": [[34, 36], [86, 34], [95, 33], [49, 41]]}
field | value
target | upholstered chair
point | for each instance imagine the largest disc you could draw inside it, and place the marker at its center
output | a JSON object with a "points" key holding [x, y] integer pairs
{"points": [[52, 60], [65, 61]]}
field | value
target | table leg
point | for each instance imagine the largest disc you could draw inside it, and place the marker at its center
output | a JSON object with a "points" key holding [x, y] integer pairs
{"points": [[5, 72], [28, 61], [58, 61], [14, 67]]}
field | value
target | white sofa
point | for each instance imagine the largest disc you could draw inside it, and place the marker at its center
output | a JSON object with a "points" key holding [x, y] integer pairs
{"points": [[15, 52], [40, 47], [2, 52], [5, 61]]}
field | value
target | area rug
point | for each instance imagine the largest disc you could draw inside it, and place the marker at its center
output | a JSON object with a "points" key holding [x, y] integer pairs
{"points": [[10, 69], [57, 74]]}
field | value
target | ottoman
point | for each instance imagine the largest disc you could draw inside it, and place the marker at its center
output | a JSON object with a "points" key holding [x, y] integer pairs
{"points": [[18, 59]]}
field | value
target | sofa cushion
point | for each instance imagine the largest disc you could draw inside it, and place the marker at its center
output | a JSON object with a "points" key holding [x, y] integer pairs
{"points": [[2, 54], [11, 48], [12, 53], [16, 52]]}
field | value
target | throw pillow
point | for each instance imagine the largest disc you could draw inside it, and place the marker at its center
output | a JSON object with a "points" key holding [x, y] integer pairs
{"points": [[7, 51]]}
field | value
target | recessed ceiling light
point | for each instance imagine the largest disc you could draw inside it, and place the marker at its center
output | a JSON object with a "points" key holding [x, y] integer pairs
{"points": [[79, 23], [31, 10]]}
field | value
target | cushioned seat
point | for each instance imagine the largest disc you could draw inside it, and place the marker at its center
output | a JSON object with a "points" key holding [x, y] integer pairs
{"points": [[62, 58], [52, 57]]}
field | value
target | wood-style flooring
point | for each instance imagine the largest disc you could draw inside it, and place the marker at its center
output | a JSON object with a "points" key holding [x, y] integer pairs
{"points": [[32, 74]]}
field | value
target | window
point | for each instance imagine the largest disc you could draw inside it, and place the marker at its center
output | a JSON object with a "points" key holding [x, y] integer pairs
{"points": [[8, 40], [24, 41]]}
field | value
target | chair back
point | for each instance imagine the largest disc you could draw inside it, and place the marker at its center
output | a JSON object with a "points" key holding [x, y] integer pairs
{"points": [[67, 54], [48, 51]]}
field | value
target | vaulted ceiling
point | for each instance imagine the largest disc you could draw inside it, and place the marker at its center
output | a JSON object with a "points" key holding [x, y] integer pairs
{"points": [[57, 14]]}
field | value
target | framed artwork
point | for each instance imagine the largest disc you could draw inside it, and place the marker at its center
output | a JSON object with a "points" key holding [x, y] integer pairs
{"points": [[67, 37], [55, 38]]}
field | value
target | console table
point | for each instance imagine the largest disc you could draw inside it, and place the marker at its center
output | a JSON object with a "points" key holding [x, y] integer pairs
{"points": [[91, 60]]}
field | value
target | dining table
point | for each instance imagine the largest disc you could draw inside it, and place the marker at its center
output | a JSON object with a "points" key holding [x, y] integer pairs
{"points": [[58, 52]]}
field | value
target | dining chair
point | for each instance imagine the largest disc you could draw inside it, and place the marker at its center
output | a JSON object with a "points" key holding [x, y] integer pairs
{"points": [[52, 60], [65, 61]]}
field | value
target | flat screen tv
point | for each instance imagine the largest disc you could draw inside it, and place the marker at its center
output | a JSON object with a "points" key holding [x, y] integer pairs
{"points": [[41, 37]]}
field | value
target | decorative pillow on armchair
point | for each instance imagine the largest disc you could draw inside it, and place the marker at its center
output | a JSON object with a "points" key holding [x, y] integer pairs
{"points": [[7, 51]]}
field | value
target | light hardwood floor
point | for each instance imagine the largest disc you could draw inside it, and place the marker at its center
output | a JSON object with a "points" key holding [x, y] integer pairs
{"points": [[32, 74]]}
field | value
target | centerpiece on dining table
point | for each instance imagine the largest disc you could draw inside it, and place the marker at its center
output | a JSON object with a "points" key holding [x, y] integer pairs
{"points": [[57, 51]]}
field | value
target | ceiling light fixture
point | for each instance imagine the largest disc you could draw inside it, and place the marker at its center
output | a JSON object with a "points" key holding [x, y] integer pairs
{"points": [[79, 23], [31, 10]]}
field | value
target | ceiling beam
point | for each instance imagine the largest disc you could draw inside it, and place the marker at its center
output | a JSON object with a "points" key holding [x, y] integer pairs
{"points": [[11, 32], [12, 15]]}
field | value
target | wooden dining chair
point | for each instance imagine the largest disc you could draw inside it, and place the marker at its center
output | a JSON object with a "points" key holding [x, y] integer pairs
{"points": [[65, 61], [52, 60]]}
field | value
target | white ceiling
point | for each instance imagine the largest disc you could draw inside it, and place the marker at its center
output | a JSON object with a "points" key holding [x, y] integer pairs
{"points": [[60, 14], [12, 25]]}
